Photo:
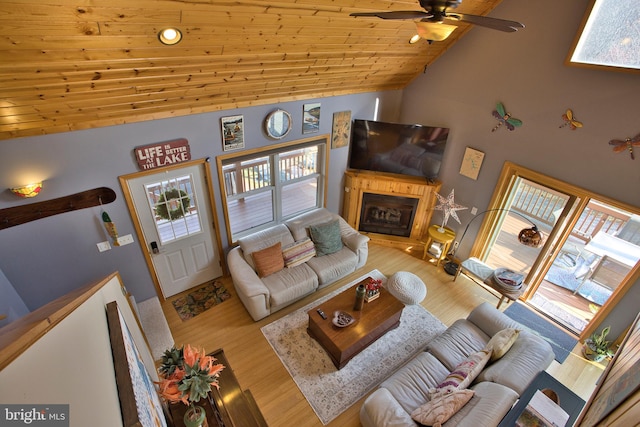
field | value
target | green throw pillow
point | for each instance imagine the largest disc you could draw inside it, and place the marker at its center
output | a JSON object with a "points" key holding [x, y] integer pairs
{"points": [[326, 237]]}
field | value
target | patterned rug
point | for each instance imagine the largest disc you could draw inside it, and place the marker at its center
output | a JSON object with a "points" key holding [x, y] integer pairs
{"points": [[328, 390], [200, 300]]}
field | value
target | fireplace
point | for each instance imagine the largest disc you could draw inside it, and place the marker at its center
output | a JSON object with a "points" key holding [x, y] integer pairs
{"points": [[385, 214]]}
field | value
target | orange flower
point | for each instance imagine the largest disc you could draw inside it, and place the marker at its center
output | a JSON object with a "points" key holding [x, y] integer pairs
{"points": [[169, 390], [193, 373], [192, 354]]}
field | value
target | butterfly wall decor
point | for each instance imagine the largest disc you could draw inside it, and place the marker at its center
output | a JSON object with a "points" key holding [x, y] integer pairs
{"points": [[505, 118], [628, 144], [569, 120]]}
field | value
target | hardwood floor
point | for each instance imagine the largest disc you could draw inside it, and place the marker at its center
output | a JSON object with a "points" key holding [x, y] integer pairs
{"points": [[257, 367]]}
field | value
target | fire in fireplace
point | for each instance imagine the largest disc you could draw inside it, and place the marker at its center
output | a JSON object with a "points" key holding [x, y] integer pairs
{"points": [[384, 214]]}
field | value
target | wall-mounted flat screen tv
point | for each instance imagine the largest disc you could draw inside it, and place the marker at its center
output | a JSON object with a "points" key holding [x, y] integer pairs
{"points": [[397, 148]]}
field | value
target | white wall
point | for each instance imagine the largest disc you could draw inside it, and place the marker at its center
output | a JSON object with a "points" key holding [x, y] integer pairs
{"points": [[72, 364]]}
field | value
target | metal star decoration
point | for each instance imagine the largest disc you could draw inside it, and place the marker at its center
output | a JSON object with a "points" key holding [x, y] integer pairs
{"points": [[449, 208]]}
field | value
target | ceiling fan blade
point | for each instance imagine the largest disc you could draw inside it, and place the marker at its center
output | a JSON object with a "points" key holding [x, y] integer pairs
{"points": [[485, 21], [399, 14]]}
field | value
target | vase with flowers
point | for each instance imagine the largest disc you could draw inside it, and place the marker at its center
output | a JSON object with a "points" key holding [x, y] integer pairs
{"points": [[187, 375]]}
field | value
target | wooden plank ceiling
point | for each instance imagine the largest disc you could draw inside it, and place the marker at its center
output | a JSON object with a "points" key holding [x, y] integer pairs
{"points": [[76, 65]]}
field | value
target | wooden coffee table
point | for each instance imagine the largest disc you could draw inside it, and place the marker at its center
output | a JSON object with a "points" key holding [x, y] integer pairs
{"points": [[376, 319]]}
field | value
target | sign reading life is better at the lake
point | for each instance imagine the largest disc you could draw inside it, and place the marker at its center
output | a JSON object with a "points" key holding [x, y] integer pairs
{"points": [[163, 154]]}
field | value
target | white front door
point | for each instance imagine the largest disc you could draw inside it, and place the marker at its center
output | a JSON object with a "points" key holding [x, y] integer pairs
{"points": [[174, 213]]}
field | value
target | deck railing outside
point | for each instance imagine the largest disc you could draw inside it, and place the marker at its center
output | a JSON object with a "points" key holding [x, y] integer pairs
{"points": [[247, 176], [542, 205]]}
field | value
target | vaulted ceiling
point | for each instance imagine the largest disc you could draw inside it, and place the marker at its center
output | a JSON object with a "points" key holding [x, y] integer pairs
{"points": [[68, 65]]}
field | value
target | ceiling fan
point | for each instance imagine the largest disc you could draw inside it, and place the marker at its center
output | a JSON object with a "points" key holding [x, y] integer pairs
{"points": [[435, 12]]}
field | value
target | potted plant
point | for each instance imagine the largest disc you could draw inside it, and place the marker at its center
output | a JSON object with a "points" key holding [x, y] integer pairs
{"points": [[187, 375], [596, 347]]}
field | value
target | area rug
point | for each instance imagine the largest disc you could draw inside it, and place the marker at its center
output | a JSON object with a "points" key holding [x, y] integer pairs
{"points": [[328, 390], [202, 299], [561, 342]]}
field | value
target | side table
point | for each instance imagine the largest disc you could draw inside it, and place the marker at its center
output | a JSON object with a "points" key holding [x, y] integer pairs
{"points": [[444, 239], [569, 401], [229, 406]]}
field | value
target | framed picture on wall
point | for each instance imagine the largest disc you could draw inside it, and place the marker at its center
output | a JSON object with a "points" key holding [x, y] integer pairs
{"points": [[341, 131], [139, 399], [232, 132], [311, 118], [471, 163]]}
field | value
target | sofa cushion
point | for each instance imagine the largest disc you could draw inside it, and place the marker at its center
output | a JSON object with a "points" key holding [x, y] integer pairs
{"points": [[332, 267], [410, 385], [268, 260], [463, 375], [487, 407], [264, 239], [456, 343], [289, 285], [326, 237], [298, 252], [299, 226], [528, 355], [501, 342], [439, 409]]}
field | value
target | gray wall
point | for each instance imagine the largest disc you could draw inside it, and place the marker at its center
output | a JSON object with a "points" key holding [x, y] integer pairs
{"points": [[526, 71], [47, 258]]}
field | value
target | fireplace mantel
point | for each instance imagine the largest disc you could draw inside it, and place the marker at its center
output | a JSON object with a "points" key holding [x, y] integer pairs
{"points": [[356, 184]]}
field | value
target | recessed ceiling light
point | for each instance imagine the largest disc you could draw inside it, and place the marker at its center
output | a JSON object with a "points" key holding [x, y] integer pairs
{"points": [[414, 39], [170, 36]]}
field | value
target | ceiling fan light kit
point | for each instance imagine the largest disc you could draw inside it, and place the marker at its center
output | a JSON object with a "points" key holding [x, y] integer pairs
{"points": [[434, 31], [435, 13]]}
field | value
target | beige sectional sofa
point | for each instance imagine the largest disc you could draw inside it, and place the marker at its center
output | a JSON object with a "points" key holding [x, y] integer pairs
{"points": [[262, 296], [497, 387]]}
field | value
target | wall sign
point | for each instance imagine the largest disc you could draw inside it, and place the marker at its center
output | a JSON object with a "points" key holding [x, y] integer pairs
{"points": [[471, 163], [163, 154]]}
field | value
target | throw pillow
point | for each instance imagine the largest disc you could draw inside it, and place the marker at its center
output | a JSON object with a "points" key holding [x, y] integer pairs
{"points": [[298, 252], [442, 407], [326, 237], [501, 342], [466, 371], [268, 260]]}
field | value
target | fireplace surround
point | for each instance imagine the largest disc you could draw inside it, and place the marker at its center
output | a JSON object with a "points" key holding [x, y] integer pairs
{"points": [[391, 209]]}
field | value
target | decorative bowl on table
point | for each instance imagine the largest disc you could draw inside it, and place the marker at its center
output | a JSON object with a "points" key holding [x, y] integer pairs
{"points": [[508, 279], [342, 319]]}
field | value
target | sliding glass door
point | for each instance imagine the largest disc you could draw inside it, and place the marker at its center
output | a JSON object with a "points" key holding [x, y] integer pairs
{"points": [[589, 248]]}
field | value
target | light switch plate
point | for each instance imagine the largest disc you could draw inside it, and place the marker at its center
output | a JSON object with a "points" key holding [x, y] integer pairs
{"points": [[125, 240], [103, 246]]}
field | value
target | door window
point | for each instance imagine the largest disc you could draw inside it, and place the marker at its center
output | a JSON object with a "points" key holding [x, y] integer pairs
{"points": [[174, 207]]}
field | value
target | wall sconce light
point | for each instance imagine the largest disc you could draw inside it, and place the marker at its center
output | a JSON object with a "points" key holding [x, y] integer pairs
{"points": [[26, 191], [170, 36]]}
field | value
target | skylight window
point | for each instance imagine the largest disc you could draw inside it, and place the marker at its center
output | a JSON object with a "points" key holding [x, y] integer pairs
{"points": [[610, 36]]}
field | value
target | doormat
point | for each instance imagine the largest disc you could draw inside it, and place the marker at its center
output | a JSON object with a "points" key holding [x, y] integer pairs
{"points": [[561, 342], [202, 299]]}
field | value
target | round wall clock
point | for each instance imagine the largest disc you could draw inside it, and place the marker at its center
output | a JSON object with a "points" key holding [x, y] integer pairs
{"points": [[278, 124]]}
